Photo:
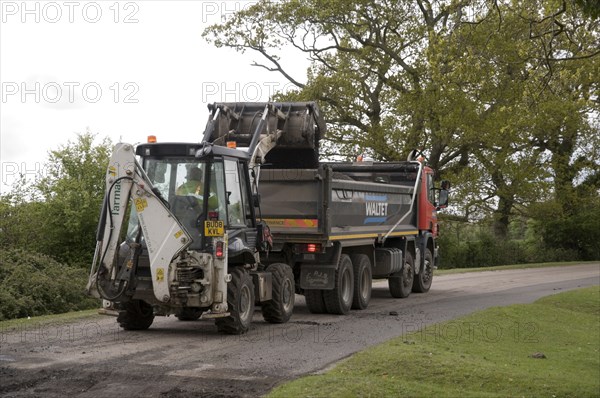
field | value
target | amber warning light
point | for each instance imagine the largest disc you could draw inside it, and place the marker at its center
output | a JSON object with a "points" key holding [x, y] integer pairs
{"points": [[151, 139]]}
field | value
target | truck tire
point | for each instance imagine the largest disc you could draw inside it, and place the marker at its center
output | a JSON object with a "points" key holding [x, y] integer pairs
{"points": [[401, 283], [240, 303], [315, 301], [422, 282], [279, 309], [339, 300], [189, 314], [135, 315], [363, 281]]}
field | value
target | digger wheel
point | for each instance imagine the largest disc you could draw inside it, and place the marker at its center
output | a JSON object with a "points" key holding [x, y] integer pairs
{"points": [[279, 309], [240, 303], [189, 314], [135, 315]]}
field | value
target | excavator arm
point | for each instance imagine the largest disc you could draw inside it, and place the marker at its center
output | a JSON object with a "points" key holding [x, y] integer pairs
{"points": [[164, 237]]}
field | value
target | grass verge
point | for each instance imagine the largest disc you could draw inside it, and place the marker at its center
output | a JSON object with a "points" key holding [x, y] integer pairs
{"points": [[515, 266], [37, 321], [486, 354]]}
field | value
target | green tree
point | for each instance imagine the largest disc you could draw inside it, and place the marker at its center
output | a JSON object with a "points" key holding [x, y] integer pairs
{"points": [[19, 210], [73, 191], [534, 105], [590, 7], [57, 215], [34, 284]]}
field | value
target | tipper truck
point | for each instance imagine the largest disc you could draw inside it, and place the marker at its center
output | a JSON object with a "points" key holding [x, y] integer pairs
{"points": [[341, 225], [249, 216]]}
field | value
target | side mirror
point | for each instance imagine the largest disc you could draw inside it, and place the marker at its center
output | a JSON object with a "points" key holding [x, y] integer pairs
{"points": [[443, 199]]}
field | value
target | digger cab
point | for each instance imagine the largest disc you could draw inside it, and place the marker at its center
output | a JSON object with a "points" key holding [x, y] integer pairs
{"points": [[206, 187]]}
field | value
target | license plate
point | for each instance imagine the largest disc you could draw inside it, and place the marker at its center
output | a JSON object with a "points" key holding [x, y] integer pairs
{"points": [[214, 228]]}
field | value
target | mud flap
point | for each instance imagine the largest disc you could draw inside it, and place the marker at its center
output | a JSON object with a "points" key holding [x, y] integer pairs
{"points": [[263, 286], [320, 277]]}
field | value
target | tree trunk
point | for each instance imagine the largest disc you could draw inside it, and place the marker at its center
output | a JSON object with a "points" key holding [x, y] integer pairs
{"points": [[502, 216]]}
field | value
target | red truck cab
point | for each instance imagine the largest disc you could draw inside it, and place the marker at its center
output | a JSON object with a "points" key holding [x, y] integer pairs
{"points": [[428, 220]]}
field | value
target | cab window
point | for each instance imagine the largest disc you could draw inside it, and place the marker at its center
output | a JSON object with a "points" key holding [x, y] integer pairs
{"points": [[235, 214], [430, 189]]}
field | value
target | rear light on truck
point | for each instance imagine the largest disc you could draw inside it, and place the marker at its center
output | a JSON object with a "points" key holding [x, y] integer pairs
{"points": [[308, 248], [219, 250]]}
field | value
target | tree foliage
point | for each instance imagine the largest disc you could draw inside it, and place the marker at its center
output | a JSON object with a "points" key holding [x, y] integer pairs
{"points": [[47, 232], [590, 7], [57, 215], [34, 284]]}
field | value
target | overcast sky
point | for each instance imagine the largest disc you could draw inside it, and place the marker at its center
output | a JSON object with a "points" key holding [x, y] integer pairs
{"points": [[123, 69]]}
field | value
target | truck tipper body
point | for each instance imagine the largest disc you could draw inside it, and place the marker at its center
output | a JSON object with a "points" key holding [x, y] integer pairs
{"points": [[382, 214]]}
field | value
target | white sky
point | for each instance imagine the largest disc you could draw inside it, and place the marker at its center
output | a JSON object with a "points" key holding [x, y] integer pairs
{"points": [[155, 73]]}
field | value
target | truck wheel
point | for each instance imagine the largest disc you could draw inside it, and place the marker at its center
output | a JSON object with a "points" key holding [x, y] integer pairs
{"points": [[363, 281], [279, 309], [135, 315], [315, 301], [422, 282], [189, 314], [240, 302], [339, 300], [402, 282]]}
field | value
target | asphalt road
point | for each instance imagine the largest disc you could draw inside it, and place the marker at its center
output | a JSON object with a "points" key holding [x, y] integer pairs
{"points": [[95, 358]]}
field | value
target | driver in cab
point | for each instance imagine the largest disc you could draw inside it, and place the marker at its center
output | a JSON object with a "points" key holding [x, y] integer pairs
{"points": [[194, 186]]}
